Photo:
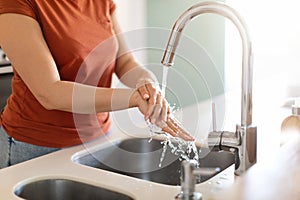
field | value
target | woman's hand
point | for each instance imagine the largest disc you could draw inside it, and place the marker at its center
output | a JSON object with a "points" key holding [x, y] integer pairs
{"points": [[157, 111], [158, 108], [175, 129]]}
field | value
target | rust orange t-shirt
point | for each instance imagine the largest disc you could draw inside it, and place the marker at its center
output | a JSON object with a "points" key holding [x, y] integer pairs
{"points": [[79, 35]]}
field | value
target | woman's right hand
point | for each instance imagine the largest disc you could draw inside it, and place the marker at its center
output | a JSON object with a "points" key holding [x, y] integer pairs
{"points": [[175, 129]]}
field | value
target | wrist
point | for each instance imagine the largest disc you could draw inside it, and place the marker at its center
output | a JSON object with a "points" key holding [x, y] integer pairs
{"points": [[134, 98]]}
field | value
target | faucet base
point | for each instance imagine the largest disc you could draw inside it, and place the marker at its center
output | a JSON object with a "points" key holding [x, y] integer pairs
{"points": [[194, 196], [247, 149]]}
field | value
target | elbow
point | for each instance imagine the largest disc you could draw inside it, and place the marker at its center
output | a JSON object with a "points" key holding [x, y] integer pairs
{"points": [[46, 102], [55, 103], [53, 98]]}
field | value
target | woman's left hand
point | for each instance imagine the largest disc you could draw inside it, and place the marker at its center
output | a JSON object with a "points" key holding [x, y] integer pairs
{"points": [[158, 108]]}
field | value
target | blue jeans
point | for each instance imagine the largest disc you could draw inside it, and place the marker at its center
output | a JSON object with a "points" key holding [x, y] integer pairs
{"points": [[13, 152]]}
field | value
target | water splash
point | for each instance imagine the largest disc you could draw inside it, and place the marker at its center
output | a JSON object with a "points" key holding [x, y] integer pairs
{"points": [[164, 150], [185, 150]]}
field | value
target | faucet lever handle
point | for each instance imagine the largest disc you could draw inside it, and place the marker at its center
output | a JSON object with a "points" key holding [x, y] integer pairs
{"points": [[213, 113]]}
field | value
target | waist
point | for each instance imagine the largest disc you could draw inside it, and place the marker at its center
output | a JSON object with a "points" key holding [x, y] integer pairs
{"points": [[59, 129]]}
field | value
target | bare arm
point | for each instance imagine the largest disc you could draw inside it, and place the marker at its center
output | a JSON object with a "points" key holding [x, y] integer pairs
{"points": [[22, 40]]}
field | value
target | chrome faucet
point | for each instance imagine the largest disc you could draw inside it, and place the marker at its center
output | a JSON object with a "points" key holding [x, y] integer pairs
{"points": [[244, 139]]}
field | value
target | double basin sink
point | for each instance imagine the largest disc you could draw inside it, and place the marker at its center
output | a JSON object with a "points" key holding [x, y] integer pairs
{"points": [[138, 158]]}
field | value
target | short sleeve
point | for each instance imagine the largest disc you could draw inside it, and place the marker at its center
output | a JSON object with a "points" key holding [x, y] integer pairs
{"points": [[24, 7]]}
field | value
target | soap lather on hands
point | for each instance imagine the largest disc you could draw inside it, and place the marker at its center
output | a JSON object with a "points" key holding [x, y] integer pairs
{"points": [[157, 111]]}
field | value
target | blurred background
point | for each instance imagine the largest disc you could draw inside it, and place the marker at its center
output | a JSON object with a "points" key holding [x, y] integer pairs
{"points": [[211, 42], [273, 28]]}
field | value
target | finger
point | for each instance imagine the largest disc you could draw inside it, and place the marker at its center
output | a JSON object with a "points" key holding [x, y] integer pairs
{"points": [[151, 87], [170, 131], [151, 102], [144, 92], [165, 110], [172, 124], [185, 136], [161, 124], [156, 113], [150, 107], [153, 110], [169, 111], [177, 128]]}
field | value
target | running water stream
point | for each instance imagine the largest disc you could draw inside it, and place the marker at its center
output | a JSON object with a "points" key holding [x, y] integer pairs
{"points": [[164, 80], [186, 150]]}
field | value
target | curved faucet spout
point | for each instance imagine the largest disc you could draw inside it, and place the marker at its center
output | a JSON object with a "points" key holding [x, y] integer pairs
{"points": [[247, 70], [231, 14]]}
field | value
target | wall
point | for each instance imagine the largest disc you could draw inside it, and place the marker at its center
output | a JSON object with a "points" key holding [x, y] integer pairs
{"points": [[199, 66], [275, 31], [198, 72]]}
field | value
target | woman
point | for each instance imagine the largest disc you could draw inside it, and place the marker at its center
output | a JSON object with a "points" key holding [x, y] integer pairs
{"points": [[64, 53]]}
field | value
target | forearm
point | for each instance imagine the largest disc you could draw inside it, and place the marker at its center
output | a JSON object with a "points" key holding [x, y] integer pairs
{"points": [[84, 99]]}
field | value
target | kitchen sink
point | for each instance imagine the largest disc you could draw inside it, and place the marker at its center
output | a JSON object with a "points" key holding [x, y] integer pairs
{"points": [[142, 158], [64, 189]]}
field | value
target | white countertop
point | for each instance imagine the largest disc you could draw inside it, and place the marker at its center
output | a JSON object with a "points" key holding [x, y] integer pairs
{"points": [[60, 165]]}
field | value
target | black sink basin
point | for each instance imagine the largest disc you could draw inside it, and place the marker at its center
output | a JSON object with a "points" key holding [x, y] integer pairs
{"points": [[63, 189], [140, 158]]}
